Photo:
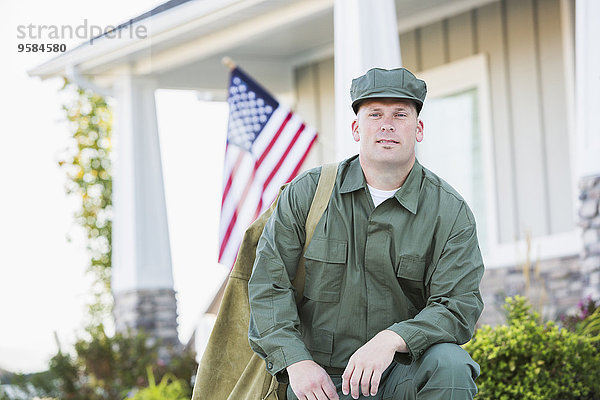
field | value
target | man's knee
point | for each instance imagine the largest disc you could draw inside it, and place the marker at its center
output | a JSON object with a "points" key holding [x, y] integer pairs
{"points": [[445, 371], [448, 365], [448, 355]]}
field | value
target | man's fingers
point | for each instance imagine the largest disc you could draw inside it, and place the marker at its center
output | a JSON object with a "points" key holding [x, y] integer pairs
{"points": [[365, 381], [375, 379], [355, 383], [327, 394], [330, 391], [320, 395], [311, 396], [346, 378]]}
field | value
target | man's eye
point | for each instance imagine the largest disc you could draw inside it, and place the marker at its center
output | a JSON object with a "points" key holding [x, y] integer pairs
{"points": [[401, 115], [374, 115]]}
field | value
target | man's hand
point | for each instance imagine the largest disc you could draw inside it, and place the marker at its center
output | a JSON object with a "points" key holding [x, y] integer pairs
{"points": [[309, 381], [368, 363]]}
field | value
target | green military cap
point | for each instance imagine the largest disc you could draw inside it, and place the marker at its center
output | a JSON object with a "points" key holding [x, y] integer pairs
{"points": [[397, 83]]}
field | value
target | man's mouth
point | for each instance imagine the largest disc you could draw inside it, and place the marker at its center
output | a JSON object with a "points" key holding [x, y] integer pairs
{"points": [[387, 141]]}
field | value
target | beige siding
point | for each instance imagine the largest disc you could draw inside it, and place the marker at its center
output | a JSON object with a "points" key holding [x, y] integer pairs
{"points": [[490, 34], [308, 106], [315, 103], [461, 41], [527, 128], [553, 95], [522, 40], [410, 51], [327, 117], [433, 45]]}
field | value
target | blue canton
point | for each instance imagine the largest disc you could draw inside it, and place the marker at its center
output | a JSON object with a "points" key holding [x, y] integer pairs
{"points": [[250, 107]]}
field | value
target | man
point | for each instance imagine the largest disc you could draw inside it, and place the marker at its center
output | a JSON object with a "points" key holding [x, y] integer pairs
{"points": [[392, 271]]}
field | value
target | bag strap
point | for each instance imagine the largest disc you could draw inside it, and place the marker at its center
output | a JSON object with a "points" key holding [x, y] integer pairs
{"points": [[317, 207]]}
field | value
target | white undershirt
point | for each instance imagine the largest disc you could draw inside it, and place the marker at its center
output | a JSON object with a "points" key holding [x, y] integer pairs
{"points": [[379, 196]]}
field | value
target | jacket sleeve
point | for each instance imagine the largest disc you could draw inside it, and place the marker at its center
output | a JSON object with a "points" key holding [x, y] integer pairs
{"points": [[274, 323], [454, 303]]}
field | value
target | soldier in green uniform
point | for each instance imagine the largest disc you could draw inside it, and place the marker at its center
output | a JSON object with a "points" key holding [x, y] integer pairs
{"points": [[392, 271]]}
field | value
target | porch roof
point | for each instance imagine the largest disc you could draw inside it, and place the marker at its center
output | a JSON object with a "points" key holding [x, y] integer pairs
{"points": [[185, 41]]}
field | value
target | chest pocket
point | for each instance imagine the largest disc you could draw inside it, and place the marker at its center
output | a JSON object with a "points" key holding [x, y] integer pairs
{"points": [[325, 265], [411, 277]]}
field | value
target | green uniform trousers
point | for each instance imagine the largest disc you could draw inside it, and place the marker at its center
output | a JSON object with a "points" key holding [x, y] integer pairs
{"points": [[444, 372]]}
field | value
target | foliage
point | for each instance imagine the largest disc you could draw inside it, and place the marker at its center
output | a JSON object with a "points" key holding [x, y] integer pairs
{"points": [[591, 326], [586, 321], [169, 388], [88, 167], [108, 367], [528, 360]]}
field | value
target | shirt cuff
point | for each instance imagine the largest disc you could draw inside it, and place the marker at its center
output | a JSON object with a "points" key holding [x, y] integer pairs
{"points": [[416, 342], [278, 361]]}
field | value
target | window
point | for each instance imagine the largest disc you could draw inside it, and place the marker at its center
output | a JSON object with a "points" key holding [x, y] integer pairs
{"points": [[457, 143], [457, 146], [452, 149]]}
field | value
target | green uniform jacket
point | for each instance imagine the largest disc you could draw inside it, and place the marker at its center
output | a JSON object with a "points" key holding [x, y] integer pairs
{"points": [[412, 265]]}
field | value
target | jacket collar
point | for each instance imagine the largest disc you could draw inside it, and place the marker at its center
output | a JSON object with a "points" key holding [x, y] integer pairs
{"points": [[407, 196]]}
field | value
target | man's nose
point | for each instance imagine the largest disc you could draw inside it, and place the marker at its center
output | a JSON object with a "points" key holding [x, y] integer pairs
{"points": [[387, 127]]}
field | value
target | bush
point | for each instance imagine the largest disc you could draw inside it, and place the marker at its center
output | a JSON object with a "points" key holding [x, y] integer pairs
{"points": [[587, 319], [108, 368], [529, 360], [169, 388]]}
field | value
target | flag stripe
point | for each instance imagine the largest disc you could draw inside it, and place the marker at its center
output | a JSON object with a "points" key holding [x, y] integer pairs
{"points": [[272, 143], [302, 159], [289, 170], [231, 175], [240, 204], [291, 176], [237, 188], [283, 156], [271, 127]]}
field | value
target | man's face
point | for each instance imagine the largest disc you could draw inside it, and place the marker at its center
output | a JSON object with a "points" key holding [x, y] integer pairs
{"points": [[387, 129]]}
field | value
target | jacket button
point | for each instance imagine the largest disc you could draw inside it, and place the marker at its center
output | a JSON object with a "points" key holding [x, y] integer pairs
{"points": [[269, 365]]}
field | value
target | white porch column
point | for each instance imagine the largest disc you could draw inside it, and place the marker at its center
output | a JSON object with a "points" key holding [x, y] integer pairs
{"points": [[142, 279], [587, 130], [366, 36]]}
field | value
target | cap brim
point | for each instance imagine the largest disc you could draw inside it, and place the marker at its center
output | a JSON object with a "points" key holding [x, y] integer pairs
{"points": [[356, 103]]}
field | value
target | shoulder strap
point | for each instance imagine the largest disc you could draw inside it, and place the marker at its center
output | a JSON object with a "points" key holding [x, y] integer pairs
{"points": [[317, 207]]}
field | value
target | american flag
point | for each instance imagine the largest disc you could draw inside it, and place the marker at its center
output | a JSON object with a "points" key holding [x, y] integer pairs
{"points": [[266, 146]]}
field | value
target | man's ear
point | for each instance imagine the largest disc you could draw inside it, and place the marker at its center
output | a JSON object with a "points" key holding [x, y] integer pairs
{"points": [[419, 132], [355, 134]]}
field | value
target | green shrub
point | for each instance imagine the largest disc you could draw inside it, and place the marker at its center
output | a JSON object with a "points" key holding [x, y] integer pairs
{"points": [[107, 368], [529, 360], [587, 319], [169, 388]]}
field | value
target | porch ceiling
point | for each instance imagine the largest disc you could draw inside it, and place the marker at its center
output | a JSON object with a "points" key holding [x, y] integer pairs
{"points": [[267, 37]]}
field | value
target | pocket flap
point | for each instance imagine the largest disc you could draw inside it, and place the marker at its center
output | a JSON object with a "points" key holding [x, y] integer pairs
{"points": [[321, 340], [327, 250], [411, 267]]}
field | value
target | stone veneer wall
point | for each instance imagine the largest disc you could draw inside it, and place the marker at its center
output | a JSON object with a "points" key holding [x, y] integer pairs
{"points": [[555, 289], [589, 221], [561, 282], [154, 311]]}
